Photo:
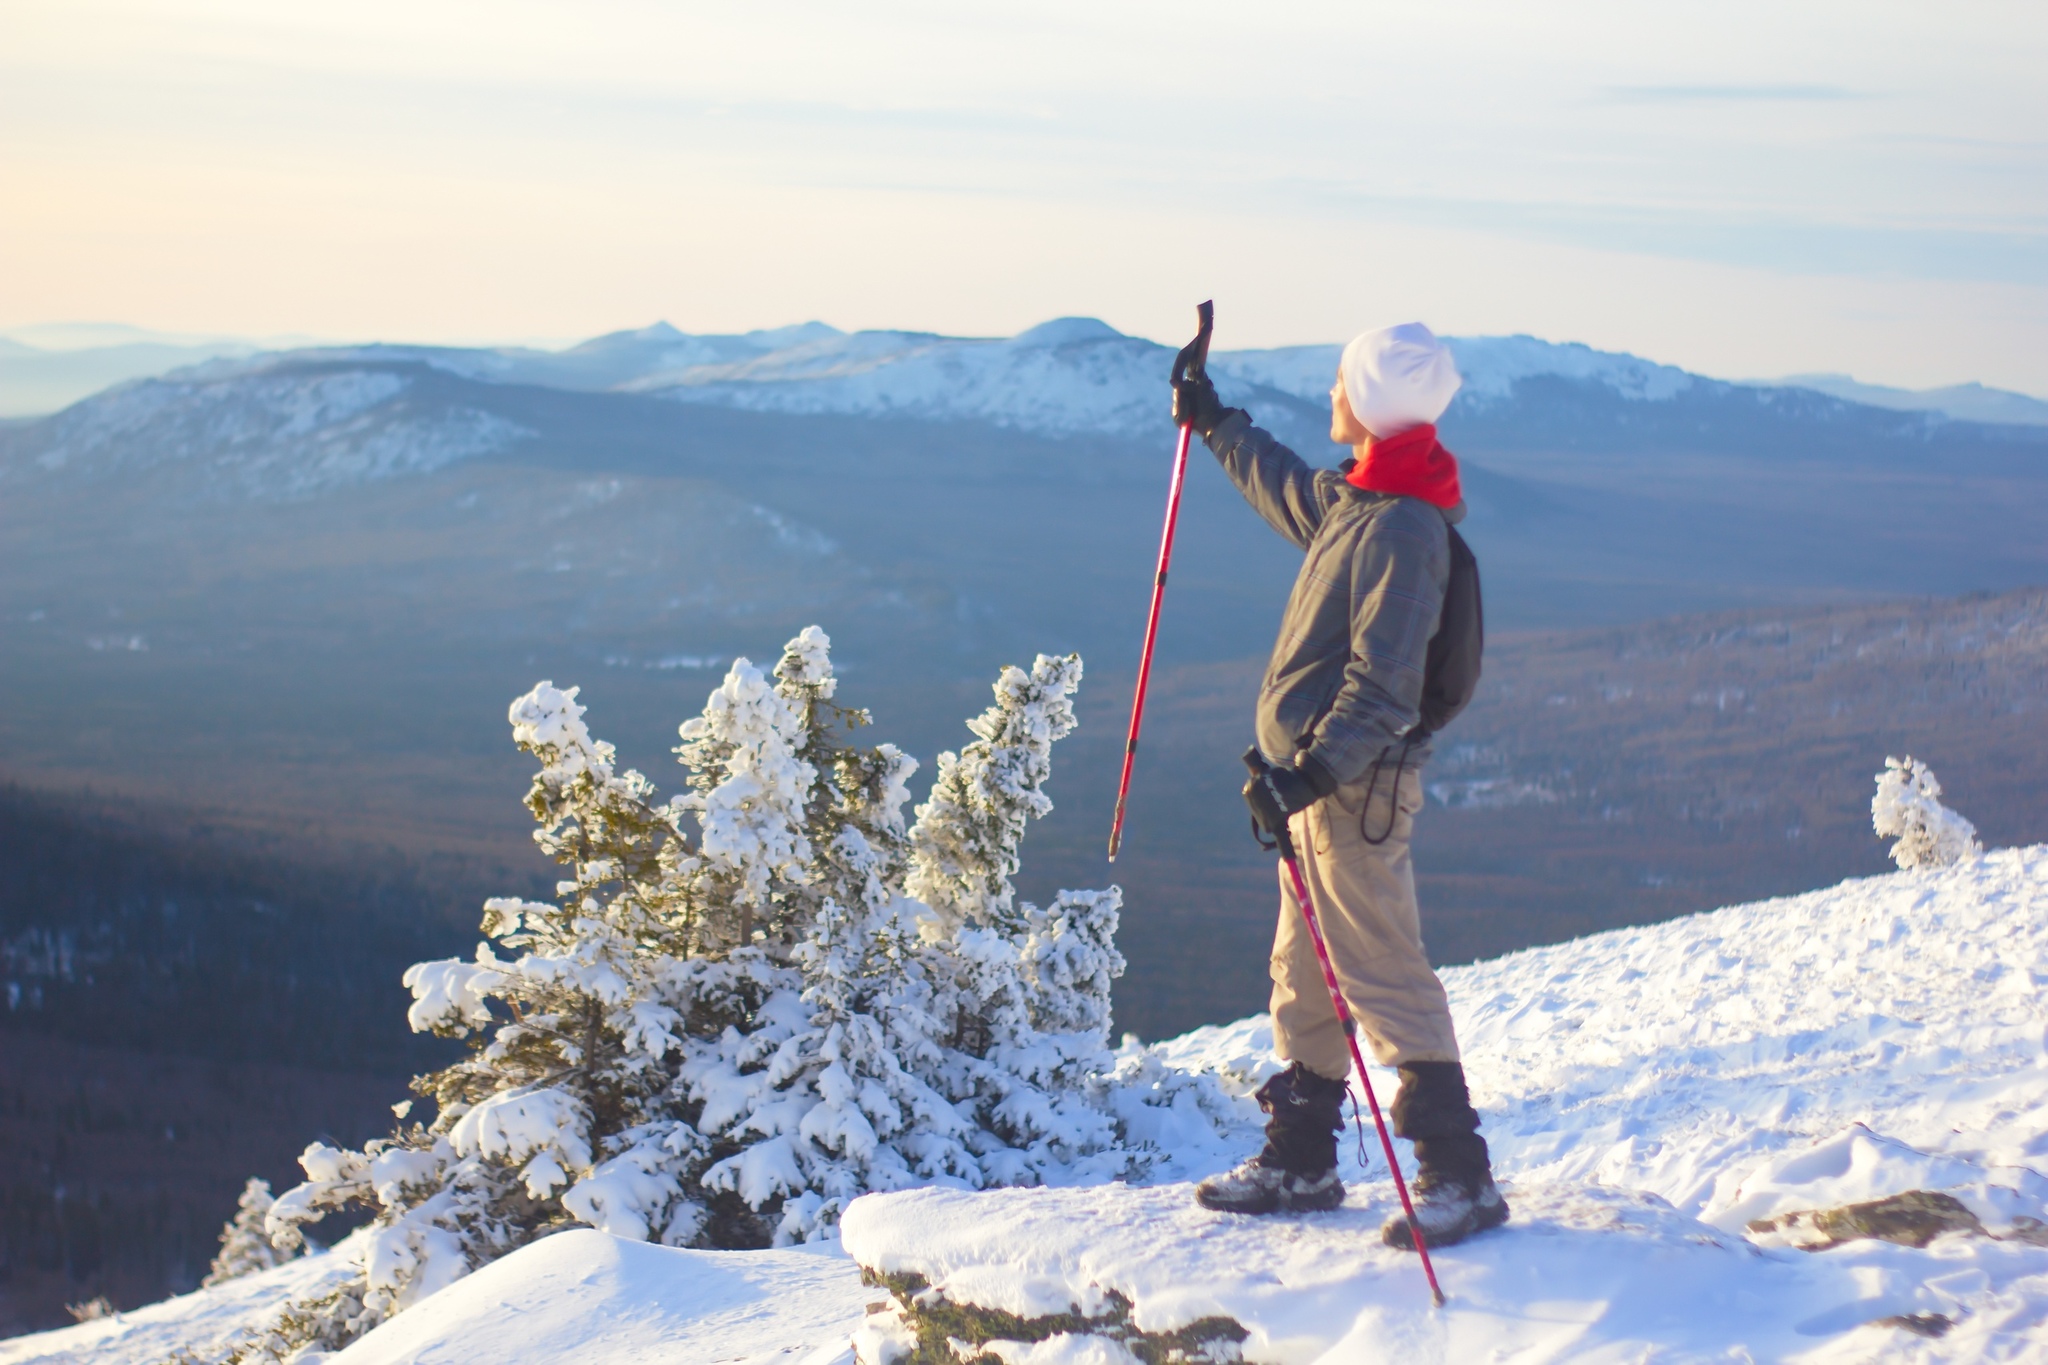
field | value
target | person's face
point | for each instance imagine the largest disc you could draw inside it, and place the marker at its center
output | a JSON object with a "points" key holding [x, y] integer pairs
{"points": [[1345, 428]]}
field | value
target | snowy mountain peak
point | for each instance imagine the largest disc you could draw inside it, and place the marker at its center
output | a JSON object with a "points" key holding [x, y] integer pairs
{"points": [[659, 331], [1065, 332]]}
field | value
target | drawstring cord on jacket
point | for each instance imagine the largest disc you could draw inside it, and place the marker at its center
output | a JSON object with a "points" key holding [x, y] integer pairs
{"points": [[1371, 786], [1393, 796]]}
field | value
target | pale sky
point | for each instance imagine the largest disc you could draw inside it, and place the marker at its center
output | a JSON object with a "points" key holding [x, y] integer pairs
{"points": [[1743, 187]]}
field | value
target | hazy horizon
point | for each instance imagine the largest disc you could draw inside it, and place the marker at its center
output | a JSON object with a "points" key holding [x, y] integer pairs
{"points": [[1735, 189]]}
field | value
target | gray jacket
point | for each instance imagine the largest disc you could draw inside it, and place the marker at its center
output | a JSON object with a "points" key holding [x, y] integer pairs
{"points": [[1345, 681]]}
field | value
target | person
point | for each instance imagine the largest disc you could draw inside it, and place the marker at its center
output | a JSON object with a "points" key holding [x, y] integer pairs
{"points": [[1338, 728]]}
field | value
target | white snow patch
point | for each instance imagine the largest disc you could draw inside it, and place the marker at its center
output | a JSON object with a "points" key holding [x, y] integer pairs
{"points": [[190, 1322], [1489, 793], [586, 1296]]}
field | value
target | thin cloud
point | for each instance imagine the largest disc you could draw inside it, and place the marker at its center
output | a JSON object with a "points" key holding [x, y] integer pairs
{"points": [[1658, 94]]}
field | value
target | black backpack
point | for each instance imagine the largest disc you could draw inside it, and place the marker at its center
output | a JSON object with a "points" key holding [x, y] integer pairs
{"points": [[1450, 674]]}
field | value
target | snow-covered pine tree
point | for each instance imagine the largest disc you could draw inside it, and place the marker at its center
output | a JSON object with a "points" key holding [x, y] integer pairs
{"points": [[966, 837], [245, 1247], [1021, 1038], [721, 1040], [816, 1098], [567, 1072], [1908, 809]]}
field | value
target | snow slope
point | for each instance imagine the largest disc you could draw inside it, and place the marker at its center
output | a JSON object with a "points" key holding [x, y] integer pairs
{"points": [[1648, 1093], [281, 434], [577, 1296], [159, 1331], [584, 1296]]}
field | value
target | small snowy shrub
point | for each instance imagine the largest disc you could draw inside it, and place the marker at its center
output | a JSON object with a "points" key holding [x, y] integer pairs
{"points": [[245, 1247], [1908, 808], [752, 1002]]}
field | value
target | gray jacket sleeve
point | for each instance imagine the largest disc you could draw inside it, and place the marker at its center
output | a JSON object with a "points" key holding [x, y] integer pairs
{"points": [[1398, 575], [1279, 484]]}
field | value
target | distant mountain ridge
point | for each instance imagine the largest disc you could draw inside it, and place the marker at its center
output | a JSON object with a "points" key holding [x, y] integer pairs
{"points": [[1063, 377], [1963, 402]]}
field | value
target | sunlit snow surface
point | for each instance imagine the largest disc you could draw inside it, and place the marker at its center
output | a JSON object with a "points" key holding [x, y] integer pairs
{"points": [[1647, 1092], [158, 1332]]}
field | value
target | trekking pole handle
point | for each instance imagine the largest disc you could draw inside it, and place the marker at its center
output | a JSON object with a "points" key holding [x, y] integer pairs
{"points": [[1255, 762], [1193, 360]]}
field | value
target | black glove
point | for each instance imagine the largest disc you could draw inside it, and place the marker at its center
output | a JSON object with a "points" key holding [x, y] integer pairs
{"points": [[1276, 793], [1196, 405]]}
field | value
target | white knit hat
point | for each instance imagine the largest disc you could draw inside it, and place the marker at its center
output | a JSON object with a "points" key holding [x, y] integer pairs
{"points": [[1398, 377]]}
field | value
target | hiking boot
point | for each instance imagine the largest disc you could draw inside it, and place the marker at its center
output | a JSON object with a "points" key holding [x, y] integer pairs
{"points": [[1454, 1193], [1255, 1187], [1297, 1171], [1449, 1212]]}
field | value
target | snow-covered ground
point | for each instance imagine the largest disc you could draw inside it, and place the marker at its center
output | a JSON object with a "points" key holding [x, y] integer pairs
{"points": [[158, 1332], [1649, 1093]]}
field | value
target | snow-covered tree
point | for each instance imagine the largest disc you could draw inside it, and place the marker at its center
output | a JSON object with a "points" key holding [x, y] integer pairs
{"points": [[245, 1247], [751, 1002], [553, 1115], [966, 837], [1908, 809], [1006, 974]]}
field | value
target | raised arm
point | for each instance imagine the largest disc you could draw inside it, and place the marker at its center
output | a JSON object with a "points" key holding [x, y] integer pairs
{"points": [[1279, 484], [1397, 592]]}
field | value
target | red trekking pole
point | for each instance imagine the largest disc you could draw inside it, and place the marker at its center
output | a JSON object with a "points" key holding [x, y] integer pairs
{"points": [[1285, 840], [1190, 363]]}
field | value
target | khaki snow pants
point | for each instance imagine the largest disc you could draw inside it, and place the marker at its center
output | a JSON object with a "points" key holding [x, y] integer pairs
{"points": [[1365, 900]]}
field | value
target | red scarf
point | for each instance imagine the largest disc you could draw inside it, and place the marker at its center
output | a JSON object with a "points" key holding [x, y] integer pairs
{"points": [[1413, 464]]}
